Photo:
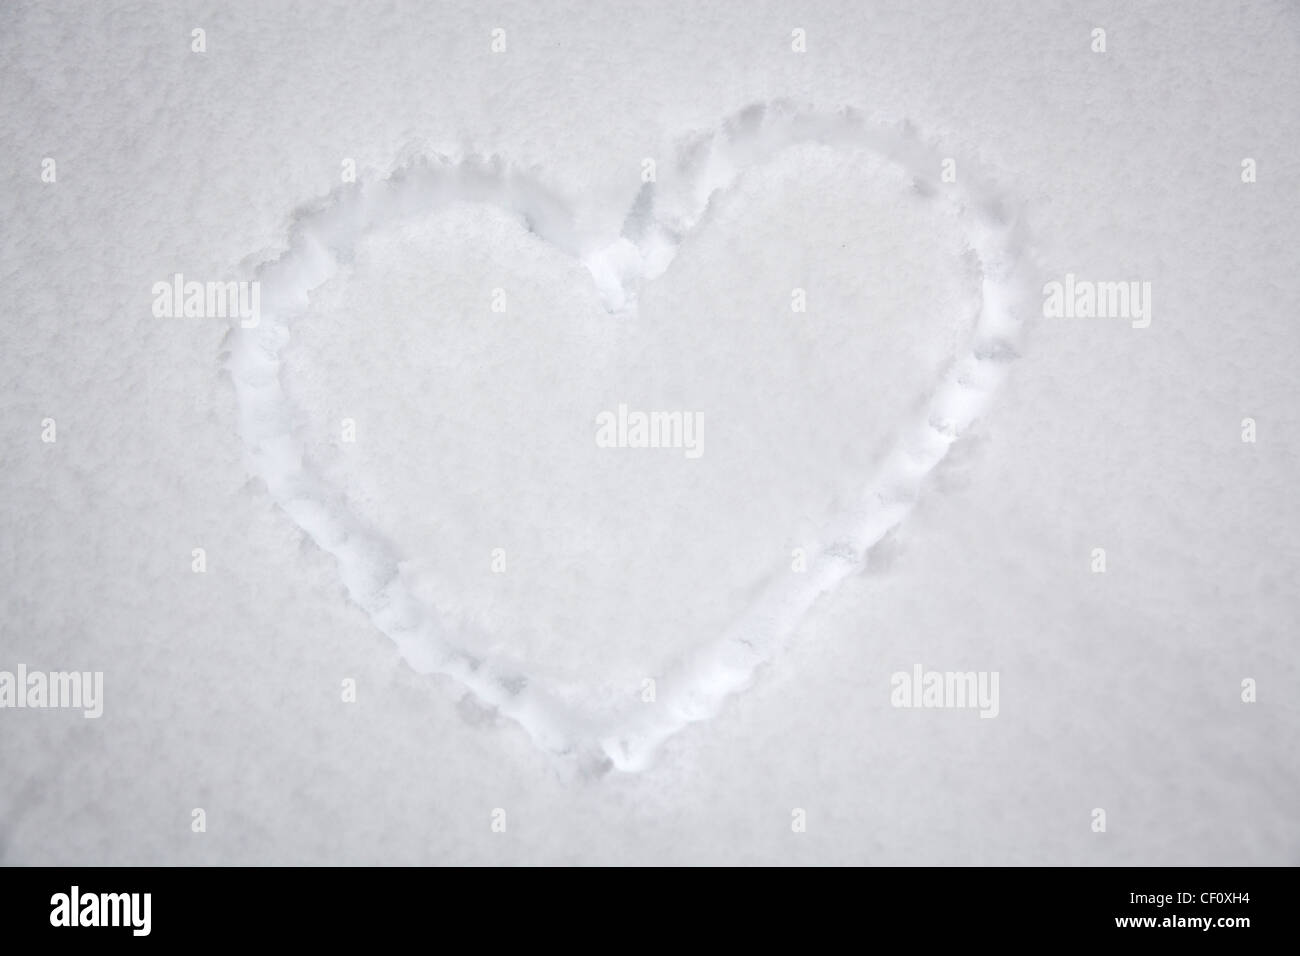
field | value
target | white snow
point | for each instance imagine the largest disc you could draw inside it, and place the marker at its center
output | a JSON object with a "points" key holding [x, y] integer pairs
{"points": [[946, 457]]}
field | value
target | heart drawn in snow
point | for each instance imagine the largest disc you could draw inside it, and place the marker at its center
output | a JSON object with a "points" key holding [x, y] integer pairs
{"points": [[929, 376]]}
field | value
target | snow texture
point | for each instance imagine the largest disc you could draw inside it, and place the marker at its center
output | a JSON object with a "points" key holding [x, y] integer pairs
{"points": [[945, 456]]}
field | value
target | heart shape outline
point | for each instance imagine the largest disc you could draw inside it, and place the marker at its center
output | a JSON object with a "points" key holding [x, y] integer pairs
{"points": [[697, 685]]}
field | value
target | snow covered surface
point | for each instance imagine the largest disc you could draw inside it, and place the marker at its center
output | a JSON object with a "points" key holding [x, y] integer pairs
{"points": [[947, 457]]}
